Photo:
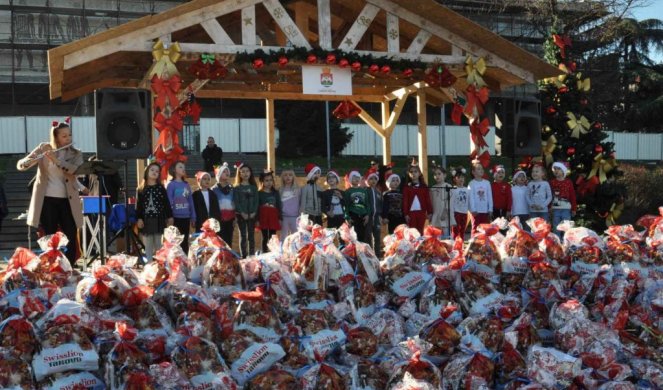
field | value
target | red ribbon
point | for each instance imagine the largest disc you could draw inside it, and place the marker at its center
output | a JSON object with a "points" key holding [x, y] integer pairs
{"points": [[20, 259], [478, 130], [586, 187], [484, 158], [166, 91], [476, 99], [432, 231], [136, 295], [456, 113], [125, 331], [562, 41], [255, 296], [346, 110]]}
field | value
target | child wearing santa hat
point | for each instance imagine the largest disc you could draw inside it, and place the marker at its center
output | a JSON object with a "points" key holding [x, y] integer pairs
{"points": [[519, 202], [374, 225], [223, 190], [205, 202], [357, 208], [416, 198], [501, 193], [310, 201], [392, 203], [332, 201], [564, 196]]}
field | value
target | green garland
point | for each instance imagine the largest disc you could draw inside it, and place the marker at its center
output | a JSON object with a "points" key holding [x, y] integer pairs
{"points": [[300, 54]]}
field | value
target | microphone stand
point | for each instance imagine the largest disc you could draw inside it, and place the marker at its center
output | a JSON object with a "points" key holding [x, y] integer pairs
{"points": [[448, 188]]}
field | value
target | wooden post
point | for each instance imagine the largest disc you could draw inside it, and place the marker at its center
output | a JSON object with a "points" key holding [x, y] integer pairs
{"points": [[422, 136], [271, 147], [386, 137]]}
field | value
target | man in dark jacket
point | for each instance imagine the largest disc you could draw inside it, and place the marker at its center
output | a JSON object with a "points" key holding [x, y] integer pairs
{"points": [[212, 155]]}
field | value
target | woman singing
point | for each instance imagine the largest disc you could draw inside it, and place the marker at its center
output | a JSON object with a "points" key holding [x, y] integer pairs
{"points": [[55, 202]]}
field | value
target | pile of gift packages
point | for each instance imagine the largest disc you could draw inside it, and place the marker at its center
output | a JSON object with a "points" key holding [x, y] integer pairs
{"points": [[510, 309]]}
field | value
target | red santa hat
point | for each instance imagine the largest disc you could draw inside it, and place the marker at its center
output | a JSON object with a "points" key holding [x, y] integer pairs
{"points": [[219, 170], [497, 168], [561, 166], [334, 174], [310, 170], [372, 172], [519, 172], [201, 174]]}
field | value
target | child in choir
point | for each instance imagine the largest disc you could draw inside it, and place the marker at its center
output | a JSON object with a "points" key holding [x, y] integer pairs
{"points": [[459, 203], [539, 195], [223, 190], [357, 208], [269, 208], [181, 201], [290, 194], [374, 225], [153, 211], [332, 201], [205, 202], [564, 196], [392, 203], [310, 202], [439, 197], [481, 197], [501, 193], [416, 198], [519, 203], [245, 196]]}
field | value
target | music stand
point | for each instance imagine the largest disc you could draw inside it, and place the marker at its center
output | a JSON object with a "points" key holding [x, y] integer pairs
{"points": [[99, 168]]}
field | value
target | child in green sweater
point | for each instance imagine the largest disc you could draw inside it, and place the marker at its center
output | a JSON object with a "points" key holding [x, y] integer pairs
{"points": [[357, 207], [245, 196]]}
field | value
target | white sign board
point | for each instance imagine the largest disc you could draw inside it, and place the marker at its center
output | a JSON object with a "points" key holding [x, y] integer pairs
{"points": [[326, 80]]}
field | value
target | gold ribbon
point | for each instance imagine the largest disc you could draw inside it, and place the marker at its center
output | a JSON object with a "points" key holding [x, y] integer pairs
{"points": [[475, 70], [165, 57], [578, 125], [614, 213], [584, 85], [549, 147], [601, 166]]}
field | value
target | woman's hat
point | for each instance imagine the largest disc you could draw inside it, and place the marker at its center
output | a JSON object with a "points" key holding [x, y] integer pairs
{"points": [[310, 170]]}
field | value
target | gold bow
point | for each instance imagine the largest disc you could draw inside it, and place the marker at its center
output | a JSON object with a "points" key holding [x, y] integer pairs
{"points": [[475, 70], [563, 68], [601, 166], [549, 147], [165, 57], [584, 85], [615, 212], [577, 125]]}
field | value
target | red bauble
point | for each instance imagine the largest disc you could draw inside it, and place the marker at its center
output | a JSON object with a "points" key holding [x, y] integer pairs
{"points": [[598, 148], [258, 63], [356, 66], [386, 69], [283, 61], [570, 151], [597, 125], [311, 59], [551, 110], [584, 101], [373, 68], [563, 89], [331, 59], [343, 63], [408, 72]]}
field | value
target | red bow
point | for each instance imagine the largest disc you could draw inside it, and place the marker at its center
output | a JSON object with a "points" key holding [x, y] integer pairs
{"points": [[172, 123], [346, 110], [586, 187], [255, 296], [484, 158], [432, 231], [210, 235], [20, 259], [456, 113], [475, 99], [166, 91], [192, 110], [168, 158], [125, 331], [562, 41], [478, 131], [136, 295]]}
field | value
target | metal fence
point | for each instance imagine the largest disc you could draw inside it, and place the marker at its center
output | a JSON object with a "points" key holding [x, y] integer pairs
{"points": [[18, 135]]}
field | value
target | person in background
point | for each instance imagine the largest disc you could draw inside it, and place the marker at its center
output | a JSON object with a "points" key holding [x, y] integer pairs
{"points": [[564, 196], [333, 204], [212, 155], [245, 196], [539, 195], [481, 197], [519, 203], [153, 211], [392, 203], [181, 202], [224, 193], [374, 225], [459, 203], [501, 193], [290, 194], [269, 208], [439, 197], [357, 207], [310, 202], [205, 202], [416, 198]]}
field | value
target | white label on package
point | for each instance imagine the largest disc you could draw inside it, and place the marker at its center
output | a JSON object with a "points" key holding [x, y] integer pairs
{"points": [[256, 359], [410, 284], [323, 342], [64, 358], [84, 379], [583, 268]]}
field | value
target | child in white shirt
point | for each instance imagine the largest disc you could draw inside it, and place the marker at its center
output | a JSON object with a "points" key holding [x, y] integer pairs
{"points": [[459, 203], [481, 197]]}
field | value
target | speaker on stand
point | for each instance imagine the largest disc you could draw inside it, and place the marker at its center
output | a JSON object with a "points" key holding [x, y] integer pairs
{"points": [[518, 127]]}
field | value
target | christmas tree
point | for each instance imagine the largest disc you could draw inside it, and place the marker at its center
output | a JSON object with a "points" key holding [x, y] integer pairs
{"points": [[571, 135]]}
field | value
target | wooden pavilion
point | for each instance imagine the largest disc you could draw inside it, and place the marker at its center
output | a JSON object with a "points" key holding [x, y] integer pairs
{"points": [[394, 30]]}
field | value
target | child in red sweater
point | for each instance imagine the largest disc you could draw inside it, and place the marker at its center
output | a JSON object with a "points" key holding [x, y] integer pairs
{"points": [[416, 199], [501, 193], [564, 196]]}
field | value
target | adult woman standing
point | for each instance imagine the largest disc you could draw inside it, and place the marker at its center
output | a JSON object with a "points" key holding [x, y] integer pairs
{"points": [[55, 202]]}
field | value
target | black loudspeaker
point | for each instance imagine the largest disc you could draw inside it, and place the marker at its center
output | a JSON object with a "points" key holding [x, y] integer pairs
{"points": [[124, 123], [518, 127]]}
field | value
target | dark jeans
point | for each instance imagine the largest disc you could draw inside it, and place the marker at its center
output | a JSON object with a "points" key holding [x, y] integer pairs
{"points": [[266, 235], [56, 213], [227, 230], [316, 219], [374, 235], [359, 226], [246, 236], [183, 225], [394, 222], [335, 222]]}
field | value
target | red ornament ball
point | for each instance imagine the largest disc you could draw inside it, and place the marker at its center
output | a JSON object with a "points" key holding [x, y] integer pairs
{"points": [[373, 68], [386, 69], [598, 125], [283, 61], [258, 63], [356, 66], [551, 110], [343, 63], [311, 59], [570, 151], [331, 59], [408, 72], [598, 148], [563, 89]]}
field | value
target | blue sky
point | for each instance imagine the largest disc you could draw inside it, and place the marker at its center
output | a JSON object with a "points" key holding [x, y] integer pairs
{"points": [[653, 10]]}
